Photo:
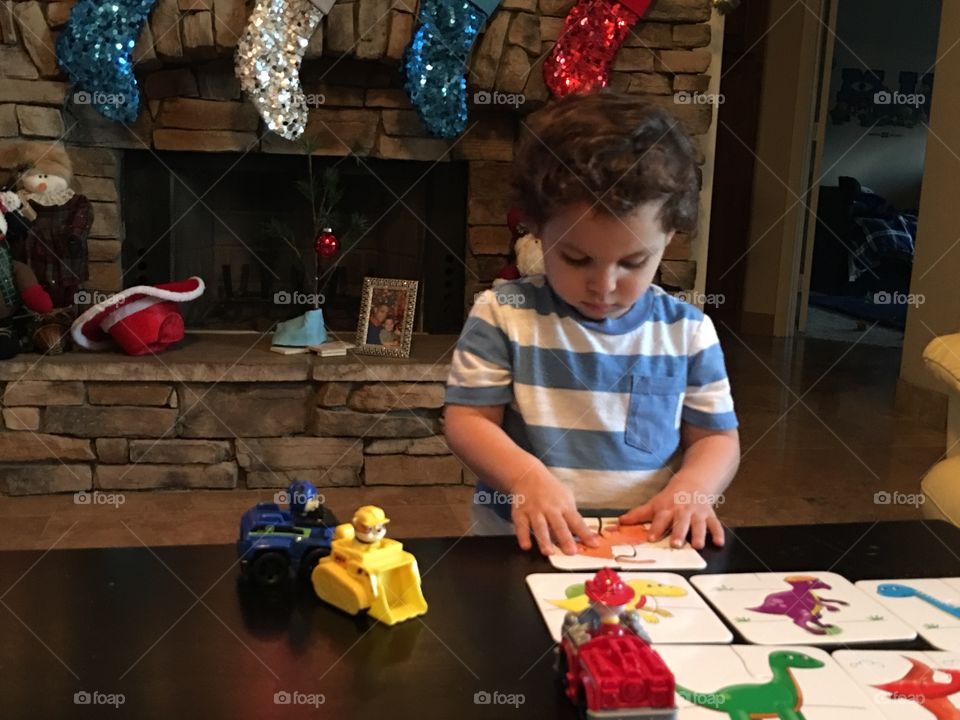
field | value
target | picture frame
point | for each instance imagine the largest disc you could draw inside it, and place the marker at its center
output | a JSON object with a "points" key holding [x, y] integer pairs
{"points": [[385, 325]]}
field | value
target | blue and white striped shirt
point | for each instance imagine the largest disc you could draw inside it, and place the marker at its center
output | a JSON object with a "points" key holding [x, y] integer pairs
{"points": [[600, 402]]}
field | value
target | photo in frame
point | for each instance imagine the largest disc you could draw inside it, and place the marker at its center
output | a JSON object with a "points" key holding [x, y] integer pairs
{"points": [[385, 325]]}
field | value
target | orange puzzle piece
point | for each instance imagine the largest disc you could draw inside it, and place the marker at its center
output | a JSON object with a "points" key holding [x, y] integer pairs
{"points": [[617, 535]]}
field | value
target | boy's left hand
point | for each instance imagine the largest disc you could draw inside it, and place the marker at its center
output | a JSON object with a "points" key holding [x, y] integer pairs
{"points": [[682, 510]]}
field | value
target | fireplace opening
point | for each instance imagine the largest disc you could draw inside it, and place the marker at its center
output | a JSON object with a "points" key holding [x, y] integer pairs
{"points": [[210, 215]]}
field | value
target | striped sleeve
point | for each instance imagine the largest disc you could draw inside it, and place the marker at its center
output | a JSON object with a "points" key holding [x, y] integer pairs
{"points": [[708, 403], [481, 371]]}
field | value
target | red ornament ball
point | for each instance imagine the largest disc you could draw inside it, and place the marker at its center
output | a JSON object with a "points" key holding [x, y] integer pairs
{"points": [[326, 243]]}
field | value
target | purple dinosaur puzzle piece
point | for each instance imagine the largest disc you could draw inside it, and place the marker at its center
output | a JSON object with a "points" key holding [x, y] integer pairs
{"points": [[802, 605]]}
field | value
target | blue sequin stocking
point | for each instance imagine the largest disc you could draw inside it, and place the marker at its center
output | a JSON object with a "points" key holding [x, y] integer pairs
{"points": [[96, 48], [436, 61]]}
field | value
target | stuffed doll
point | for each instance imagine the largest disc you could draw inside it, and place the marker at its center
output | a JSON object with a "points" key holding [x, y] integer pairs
{"points": [[18, 284], [527, 253], [54, 243]]}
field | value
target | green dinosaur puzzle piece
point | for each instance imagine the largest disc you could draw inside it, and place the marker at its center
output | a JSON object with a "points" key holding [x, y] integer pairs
{"points": [[777, 698]]}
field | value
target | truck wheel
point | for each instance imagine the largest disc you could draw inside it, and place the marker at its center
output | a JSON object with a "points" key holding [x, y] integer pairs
{"points": [[582, 707], [310, 560], [270, 568], [561, 665]]}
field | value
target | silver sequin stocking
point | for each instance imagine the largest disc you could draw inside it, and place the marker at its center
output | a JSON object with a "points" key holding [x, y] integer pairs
{"points": [[269, 56]]}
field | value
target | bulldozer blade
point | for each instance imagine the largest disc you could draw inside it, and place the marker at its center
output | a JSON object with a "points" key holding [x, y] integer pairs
{"points": [[398, 595]]}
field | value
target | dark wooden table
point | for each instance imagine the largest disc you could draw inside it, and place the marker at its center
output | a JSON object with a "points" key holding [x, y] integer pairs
{"points": [[173, 632]]}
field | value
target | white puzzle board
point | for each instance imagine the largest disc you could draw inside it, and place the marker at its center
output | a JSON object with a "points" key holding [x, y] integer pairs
{"points": [[802, 608], [670, 609], [906, 684], [930, 606], [706, 671], [625, 547]]}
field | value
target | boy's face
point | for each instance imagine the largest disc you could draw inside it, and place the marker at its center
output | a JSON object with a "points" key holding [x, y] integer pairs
{"points": [[600, 264]]}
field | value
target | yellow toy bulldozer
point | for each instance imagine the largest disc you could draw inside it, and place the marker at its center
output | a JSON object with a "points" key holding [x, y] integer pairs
{"points": [[367, 571]]}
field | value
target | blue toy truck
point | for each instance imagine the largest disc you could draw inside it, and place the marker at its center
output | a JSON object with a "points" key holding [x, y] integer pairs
{"points": [[275, 542]]}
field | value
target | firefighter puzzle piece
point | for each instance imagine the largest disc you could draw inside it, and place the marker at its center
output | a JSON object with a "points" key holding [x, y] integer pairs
{"points": [[625, 547], [605, 660], [810, 608], [668, 608], [368, 571]]}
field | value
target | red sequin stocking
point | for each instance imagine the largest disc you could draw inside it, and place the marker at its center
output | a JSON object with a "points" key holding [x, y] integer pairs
{"points": [[592, 35]]}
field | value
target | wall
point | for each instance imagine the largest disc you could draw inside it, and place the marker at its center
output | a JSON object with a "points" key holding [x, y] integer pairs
{"points": [[780, 176], [937, 262], [892, 36]]}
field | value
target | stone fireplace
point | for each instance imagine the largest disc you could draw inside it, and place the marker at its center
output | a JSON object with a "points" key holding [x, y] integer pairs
{"points": [[225, 412], [209, 215]]}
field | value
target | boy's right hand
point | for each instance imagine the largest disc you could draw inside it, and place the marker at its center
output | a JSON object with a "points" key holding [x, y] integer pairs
{"points": [[547, 507]]}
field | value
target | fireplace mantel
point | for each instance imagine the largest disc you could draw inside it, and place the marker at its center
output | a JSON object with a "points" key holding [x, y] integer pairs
{"points": [[235, 357]]}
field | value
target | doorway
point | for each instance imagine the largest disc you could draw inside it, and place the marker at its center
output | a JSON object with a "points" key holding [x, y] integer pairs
{"points": [[867, 171]]}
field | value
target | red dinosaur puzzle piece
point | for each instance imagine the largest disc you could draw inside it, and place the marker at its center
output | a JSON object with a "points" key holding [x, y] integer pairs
{"points": [[918, 685]]}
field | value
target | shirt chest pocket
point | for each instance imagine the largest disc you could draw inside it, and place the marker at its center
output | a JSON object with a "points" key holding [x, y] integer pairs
{"points": [[653, 416]]}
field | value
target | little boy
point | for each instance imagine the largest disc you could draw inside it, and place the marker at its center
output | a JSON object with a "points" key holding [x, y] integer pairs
{"points": [[388, 336], [589, 386]]}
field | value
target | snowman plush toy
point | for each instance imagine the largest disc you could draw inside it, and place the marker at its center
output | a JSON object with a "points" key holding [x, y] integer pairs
{"points": [[52, 238], [19, 290]]}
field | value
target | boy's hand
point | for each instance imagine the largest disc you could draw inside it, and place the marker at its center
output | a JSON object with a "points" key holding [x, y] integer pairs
{"points": [[547, 507], [684, 511]]}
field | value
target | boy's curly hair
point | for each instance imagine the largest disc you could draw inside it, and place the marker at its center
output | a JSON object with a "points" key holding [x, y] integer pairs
{"points": [[612, 151]]}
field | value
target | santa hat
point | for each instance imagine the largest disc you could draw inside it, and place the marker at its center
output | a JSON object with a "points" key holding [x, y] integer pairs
{"points": [[142, 319]]}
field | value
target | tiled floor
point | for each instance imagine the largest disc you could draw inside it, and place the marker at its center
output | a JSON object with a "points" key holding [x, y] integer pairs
{"points": [[828, 325], [819, 435]]}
